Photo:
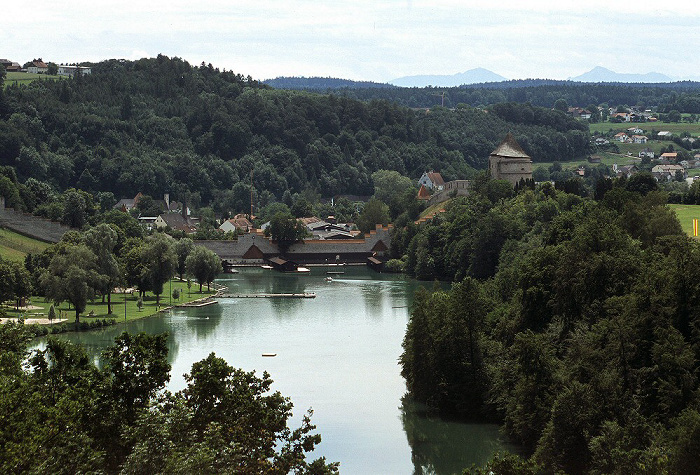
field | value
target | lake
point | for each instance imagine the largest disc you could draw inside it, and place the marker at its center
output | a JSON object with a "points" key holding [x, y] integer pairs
{"points": [[337, 354]]}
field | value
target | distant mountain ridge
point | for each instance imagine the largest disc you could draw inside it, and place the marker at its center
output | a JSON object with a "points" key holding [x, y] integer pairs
{"points": [[473, 76], [321, 84], [601, 74]]}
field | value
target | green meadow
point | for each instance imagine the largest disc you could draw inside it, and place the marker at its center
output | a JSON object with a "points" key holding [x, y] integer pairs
{"points": [[25, 78], [686, 214]]}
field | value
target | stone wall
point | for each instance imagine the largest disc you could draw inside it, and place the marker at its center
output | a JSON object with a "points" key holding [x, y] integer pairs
{"points": [[32, 226]]}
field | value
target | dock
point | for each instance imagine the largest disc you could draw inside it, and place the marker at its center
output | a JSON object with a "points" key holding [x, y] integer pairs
{"points": [[306, 295]]}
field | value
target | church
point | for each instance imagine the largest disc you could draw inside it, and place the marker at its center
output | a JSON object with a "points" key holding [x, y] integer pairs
{"points": [[510, 162]]}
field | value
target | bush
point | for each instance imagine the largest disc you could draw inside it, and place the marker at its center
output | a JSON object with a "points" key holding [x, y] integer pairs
{"points": [[395, 265]]}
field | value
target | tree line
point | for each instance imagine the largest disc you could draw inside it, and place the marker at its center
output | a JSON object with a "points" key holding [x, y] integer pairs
{"points": [[683, 96]]}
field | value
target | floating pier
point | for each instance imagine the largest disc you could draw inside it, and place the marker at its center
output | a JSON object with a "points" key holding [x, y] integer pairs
{"points": [[306, 295]]}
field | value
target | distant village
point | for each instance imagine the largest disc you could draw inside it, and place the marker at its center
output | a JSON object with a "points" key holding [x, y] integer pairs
{"points": [[38, 66]]}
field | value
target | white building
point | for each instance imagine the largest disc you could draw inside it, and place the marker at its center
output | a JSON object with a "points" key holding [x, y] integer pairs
{"points": [[66, 70]]}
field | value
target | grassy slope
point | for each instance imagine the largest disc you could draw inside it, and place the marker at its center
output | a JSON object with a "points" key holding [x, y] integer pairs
{"points": [[686, 214], [26, 78], [15, 246], [676, 128]]}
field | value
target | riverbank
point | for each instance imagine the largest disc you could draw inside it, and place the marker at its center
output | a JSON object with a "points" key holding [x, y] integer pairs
{"points": [[124, 306]]}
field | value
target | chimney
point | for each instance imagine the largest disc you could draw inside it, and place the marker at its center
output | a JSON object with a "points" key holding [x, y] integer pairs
{"points": [[166, 198], [184, 211]]}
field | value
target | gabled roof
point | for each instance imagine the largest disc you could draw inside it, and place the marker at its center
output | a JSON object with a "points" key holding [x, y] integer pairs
{"points": [[308, 220], [240, 222], [436, 178], [178, 222], [510, 148], [423, 193]]}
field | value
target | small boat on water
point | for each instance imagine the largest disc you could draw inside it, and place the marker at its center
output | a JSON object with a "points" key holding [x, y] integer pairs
{"points": [[265, 266], [269, 355], [329, 279], [303, 269]]}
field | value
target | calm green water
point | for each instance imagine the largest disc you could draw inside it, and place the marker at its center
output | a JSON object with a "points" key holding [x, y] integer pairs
{"points": [[337, 353]]}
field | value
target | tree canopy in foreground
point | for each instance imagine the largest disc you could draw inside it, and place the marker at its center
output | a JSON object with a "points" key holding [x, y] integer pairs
{"points": [[64, 415]]}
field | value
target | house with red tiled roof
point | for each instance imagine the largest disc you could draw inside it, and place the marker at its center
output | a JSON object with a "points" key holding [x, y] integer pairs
{"points": [[237, 223], [423, 193], [432, 180], [38, 67]]}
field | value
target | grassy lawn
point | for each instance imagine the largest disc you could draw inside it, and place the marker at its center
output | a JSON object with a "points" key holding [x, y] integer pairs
{"points": [[132, 311], [15, 246], [25, 78], [686, 214]]}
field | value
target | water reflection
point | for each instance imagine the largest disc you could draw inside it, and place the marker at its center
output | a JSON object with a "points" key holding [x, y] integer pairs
{"points": [[445, 447]]}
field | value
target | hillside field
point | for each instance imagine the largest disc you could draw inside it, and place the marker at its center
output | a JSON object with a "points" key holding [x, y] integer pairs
{"points": [[15, 246], [686, 214], [673, 127], [26, 78]]}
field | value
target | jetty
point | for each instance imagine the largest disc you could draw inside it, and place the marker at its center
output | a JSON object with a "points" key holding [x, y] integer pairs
{"points": [[306, 295]]}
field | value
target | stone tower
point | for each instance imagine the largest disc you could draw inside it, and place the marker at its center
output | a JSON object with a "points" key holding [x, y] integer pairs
{"points": [[510, 162]]}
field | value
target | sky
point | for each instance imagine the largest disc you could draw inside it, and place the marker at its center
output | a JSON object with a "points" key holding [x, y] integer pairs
{"points": [[366, 40]]}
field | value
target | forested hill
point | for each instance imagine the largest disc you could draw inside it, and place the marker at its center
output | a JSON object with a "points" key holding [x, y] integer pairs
{"points": [[161, 125], [319, 83]]}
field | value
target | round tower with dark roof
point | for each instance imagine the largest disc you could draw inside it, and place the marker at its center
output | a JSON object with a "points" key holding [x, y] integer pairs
{"points": [[510, 162]]}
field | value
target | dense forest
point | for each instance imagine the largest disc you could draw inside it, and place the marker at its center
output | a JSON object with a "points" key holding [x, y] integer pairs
{"points": [[160, 125], [573, 322]]}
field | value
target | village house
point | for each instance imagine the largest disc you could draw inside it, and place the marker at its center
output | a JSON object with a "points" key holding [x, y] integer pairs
{"points": [[647, 152], [670, 156], [668, 172], [639, 139], [635, 130], [626, 170], [664, 134], [622, 116], [621, 137], [432, 180], [176, 222], [579, 113], [11, 66], [238, 223], [38, 67]]}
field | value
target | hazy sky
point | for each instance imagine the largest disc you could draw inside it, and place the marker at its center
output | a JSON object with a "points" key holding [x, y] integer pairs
{"points": [[366, 40]]}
